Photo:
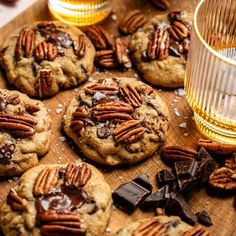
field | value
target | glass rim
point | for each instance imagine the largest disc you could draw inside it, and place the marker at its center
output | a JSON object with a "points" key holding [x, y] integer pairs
{"points": [[207, 46]]}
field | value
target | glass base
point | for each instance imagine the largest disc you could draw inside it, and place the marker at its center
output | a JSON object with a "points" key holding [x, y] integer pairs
{"points": [[214, 132], [80, 16]]}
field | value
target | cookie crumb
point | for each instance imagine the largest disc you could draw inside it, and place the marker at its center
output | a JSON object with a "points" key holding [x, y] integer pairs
{"points": [[183, 125], [114, 17]]}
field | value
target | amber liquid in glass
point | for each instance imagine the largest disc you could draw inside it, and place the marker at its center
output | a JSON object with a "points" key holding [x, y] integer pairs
{"points": [[80, 12]]}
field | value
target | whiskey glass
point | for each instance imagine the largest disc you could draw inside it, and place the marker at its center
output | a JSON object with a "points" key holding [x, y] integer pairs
{"points": [[210, 80]]}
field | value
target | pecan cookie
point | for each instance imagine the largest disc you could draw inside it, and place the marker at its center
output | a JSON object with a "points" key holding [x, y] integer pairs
{"points": [[162, 225], [71, 199], [24, 132], [117, 120], [160, 49], [42, 58]]}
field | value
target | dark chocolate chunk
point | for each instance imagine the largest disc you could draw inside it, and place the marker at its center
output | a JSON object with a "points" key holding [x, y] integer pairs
{"points": [[130, 195], [204, 218], [157, 199], [6, 152], [202, 154], [176, 205], [165, 177], [103, 132]]}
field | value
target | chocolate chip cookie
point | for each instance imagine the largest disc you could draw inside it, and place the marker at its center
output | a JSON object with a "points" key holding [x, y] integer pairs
{"points": [[117, 120], [162, 225], [24, 132], [42, 58], [160, 49], [71, 199]]}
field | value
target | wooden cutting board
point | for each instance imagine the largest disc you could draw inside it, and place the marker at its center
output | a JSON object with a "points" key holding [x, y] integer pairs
{"points": [[220, 207]]}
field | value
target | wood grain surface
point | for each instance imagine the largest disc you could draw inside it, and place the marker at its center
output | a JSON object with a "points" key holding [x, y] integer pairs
{"points": [[220, 207]]}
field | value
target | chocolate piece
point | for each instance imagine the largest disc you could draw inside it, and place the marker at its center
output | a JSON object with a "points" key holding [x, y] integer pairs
{"points": [[103, 132], [204, 218], [202, 153], [165, 177], [130, 195], [176, 205], [6, 152], [157, 199]]}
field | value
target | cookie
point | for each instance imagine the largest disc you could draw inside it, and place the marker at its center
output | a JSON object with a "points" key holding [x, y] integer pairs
{"points": [[117, 121], [162, 225], [24, 132], [160, 49], [42, 58], [70, 199]]}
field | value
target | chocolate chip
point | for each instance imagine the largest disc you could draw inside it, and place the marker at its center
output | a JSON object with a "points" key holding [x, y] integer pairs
{"points": [[204, 218], [103, 132]]}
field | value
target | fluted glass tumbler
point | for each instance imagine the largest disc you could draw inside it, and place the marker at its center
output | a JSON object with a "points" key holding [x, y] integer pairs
{"points": [[210, 81], [80, 12]]}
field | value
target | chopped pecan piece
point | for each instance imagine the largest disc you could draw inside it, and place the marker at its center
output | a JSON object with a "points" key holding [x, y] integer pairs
{"points": [[129, 131], [78, 119], [223, 178], [102, 88], [122, 53], [77, 176], [132, 21], [15, 201], [45, 82], [45, 51], [31, 108], [158, 46], [173, 154], [13, 99], [112, 111], [161, 4], [17, 125], [106, 58], [131, 95], [25, 44], [178, 31], [100, 37], [175, 15], [217, 148], [152, 227], [198, 230], [45, 181], [81, 47], [231, 162]]}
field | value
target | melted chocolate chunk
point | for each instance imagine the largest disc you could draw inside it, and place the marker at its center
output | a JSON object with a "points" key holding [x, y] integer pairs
{"points": [[6, 152], [204, 218], [3, 104], [103, 132]]}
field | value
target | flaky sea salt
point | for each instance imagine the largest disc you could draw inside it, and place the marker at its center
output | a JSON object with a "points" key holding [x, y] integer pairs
{"points": [[90, 79], [180, 92], [177, 113], [114, 17], [59, 110], [120, 177], [108, 230], [186, 134], [97, 96], [183, 125], [60, 105], [62, 138]]}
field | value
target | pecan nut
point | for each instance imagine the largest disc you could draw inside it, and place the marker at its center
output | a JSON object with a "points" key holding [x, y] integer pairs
{"points": [[106, 58], [223, 178], [198, 230], [231, 162], [217, 148], [81, 47], [13, 99], [173, 154], [31, 108], [132, 21], [25, 44], [17, 125], [158, 45], [129, 131], [105, 89], [100, 37], [178, 31], [78, 119], [15, 201], [77, 176], [161, 4], [131, 96], [45, 51], [45, 82], [122, 53], [45, 181], [151, 227]]}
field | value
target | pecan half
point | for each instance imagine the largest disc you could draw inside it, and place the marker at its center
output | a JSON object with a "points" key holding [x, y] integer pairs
{"points": [[13, 99], [112, 111], [122, 53], [231, 162], [45, 181], [129, 131], [173, 154], [78, 119], [25, 44], [31, 108], [151, 228], [161, 4], [223, 178], [100, 37], [106, 58], [15, 201], [45, 51], [198, 230], [81, 47], [61, 224], [102, 88], [45, 82], [158, 45], [217, 148], [17, 125], [132, 21], [131, 95], [77, 176], [178, 31]]}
